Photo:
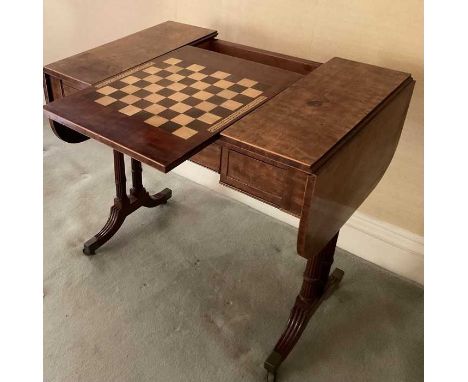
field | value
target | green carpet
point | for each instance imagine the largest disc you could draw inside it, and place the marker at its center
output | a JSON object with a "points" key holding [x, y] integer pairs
{"points": [[200, 289]]}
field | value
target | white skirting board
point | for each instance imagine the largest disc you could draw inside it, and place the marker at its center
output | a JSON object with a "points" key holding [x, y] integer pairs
{"points": [[383, 244], [386, 245]]}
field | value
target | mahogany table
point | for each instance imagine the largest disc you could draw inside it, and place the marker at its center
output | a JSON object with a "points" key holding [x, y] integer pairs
{"points": [[311, 139]]}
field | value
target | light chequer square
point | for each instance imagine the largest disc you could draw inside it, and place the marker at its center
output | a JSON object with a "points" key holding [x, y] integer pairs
{"points": [[209, 118], [129, 89], [154, 98], [176, 86], [106, 90], [155, 109], [153, 88], [203, 95], [228, 94], [130, 110], [178, 97], [252, 93], [197, 76], [200, 85], [220, 75], [185, 132], [247, 83], [205, 106], [180, 107], [152, 70], [231, 105], [152, 78], [130, 98], [172, 61], [174, 69], [130, 80], [182, 119], [175, 77], [195, 68], [223, 84], [156, 120], [106, 100]]}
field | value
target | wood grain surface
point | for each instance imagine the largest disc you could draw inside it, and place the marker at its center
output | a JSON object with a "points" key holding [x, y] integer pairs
{"points": [[114, 57], [345, 180], [305, 122]]}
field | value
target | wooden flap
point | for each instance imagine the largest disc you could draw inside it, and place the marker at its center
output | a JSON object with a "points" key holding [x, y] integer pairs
{"points": [[107, 60], [168, 109], [307, 121]]}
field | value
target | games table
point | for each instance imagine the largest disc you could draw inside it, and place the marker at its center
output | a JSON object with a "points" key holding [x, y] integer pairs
{"points": [[310, 139]]}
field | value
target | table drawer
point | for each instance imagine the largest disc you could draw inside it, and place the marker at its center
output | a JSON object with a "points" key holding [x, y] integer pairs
{"points": [[263, 178], [209, 157]]}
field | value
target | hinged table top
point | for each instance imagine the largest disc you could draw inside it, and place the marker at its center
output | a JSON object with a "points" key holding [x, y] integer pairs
{"points": [[107, 60]]}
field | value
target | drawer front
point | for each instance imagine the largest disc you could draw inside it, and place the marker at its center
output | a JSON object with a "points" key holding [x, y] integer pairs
{"points": [[263, 178]]}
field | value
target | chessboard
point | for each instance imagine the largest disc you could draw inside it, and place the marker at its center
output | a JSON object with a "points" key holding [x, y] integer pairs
{"points": [[179, 96]]}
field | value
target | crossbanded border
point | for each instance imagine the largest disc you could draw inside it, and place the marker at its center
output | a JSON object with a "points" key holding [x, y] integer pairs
{"points": [[123, 74], [244, 109]]}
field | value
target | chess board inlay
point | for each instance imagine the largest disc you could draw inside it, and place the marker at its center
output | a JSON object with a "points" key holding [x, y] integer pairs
{"points": [[181, 97]]}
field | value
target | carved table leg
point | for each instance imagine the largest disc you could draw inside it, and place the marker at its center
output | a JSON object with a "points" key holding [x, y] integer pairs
{"points": [[124, 205], [140, 193], [316, 287]]}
